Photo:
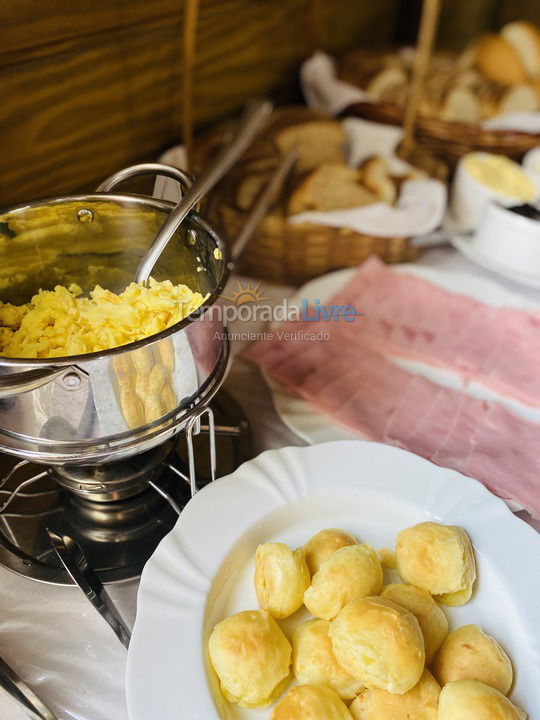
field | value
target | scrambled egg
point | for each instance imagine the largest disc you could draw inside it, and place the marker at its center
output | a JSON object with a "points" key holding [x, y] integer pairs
{"points": [[59, 323]]}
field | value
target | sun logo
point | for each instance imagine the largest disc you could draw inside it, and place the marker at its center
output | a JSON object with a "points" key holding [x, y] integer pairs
{"points": [[246, 294]]}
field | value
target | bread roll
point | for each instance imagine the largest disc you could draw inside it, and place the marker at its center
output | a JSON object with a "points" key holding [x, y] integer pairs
{"points": [[519, 98], [469, 653], [311, 702], [461, 104], [387, 558], [524, 38], [281, 578], [498, 61], [536, 85], [375, 176], [472, 700], [251, 657], [386, 84], [350, 573], [420, 703], [323, 544], [314, 662], [438, 558], [431, 618], [361, 67], [379, 643]]}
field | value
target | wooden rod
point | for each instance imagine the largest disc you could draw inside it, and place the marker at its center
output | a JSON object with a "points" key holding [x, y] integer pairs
{"points": [[191, 15]]}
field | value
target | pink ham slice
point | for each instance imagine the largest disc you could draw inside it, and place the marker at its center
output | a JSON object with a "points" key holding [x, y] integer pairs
{"points": [[412, 318], [364, 391], [505, 450], [423, 419], [362, 395]]}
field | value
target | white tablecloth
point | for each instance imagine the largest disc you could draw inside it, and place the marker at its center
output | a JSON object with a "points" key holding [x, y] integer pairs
{"points": [[54, 638]]}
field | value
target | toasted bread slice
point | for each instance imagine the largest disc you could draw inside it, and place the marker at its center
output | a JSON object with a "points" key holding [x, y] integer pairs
{"points": [[319, 141], [331, 186]]}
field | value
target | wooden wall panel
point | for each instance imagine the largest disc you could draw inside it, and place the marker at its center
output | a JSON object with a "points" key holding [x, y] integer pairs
{"points": [[88, 88], [87, 111], [509, 10], [28, 24]]}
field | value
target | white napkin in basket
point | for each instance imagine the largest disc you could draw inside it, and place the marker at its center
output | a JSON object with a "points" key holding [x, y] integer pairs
{"points": [[322, 88], [324, 91]]}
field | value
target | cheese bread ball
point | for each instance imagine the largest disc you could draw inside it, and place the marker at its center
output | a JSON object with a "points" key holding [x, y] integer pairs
{"points": [[281, 579], [380, 643], [438, 558], [431, 618], [472, 700], [350, 573], [251, 657], [311, 702], [469, 653], [314, 662], [387, 558], [323, 544], [420, 703]]}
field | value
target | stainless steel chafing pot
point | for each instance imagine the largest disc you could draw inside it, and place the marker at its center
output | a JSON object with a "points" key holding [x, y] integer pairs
{"points": [[87, 409]]}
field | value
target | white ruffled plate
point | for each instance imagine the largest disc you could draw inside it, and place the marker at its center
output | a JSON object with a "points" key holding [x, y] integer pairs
{"points": [[202, 571]]}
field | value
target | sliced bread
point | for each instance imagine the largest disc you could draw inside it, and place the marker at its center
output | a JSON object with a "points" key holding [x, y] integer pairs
{"points": [[331, 186], [317, 141]]}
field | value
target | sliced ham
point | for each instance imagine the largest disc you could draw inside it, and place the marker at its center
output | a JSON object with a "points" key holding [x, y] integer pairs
{"points": [[348, 379], [505, 452], [409, 317], [423, 419], [361, 395]]}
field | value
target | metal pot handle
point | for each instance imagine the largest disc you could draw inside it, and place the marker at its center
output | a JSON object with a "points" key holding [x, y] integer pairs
{"points": [[169, 171], [17, 383]]}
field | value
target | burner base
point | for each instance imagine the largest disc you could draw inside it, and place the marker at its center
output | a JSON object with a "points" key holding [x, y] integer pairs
{"points": [[120, 530]]}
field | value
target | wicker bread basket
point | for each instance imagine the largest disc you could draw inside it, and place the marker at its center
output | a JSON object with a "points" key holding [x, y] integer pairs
{"points": [[284, 252], [450, 140], [291, 254]]}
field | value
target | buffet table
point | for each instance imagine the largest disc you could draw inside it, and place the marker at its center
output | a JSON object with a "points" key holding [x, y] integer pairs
{"points": [[51, 635]]}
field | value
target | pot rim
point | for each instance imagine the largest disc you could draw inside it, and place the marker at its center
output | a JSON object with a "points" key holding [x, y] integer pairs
{"points": [[27, 363]]}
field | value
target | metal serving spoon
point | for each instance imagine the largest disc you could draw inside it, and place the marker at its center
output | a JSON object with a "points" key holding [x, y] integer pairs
{"points": [[250, 125]]}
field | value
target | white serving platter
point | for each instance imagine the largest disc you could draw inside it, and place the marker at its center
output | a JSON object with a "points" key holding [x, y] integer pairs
{"points": [[202, 571]]}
